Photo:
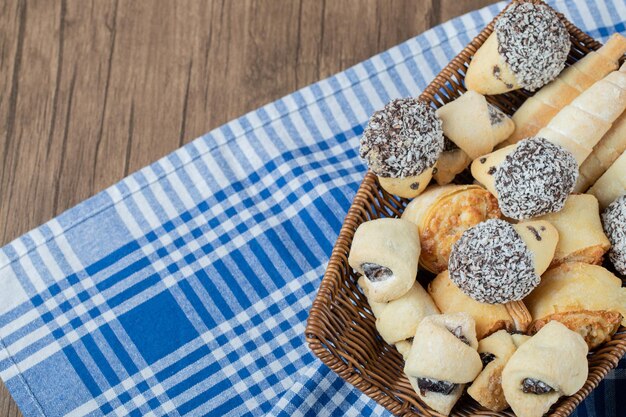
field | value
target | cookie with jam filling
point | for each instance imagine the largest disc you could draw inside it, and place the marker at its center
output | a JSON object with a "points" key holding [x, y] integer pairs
{"points": [[551, 364], [442, 359], [386, 253]]}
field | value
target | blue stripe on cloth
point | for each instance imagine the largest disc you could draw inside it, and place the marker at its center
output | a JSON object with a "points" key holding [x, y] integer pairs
{"points": [[184, 289]]}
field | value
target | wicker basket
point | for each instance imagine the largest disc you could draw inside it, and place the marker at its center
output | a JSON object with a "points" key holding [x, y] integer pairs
{"points": [[341, 330]]}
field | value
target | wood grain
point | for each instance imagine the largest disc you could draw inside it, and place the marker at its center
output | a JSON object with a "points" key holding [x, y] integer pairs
{"points": [[91, 91]]}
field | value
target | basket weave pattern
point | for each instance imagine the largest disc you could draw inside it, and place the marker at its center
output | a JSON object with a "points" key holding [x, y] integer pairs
{"points": [[341, 329]]}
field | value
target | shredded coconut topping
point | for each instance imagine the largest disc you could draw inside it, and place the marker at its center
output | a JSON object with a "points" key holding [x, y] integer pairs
{"points": [[492, 264], [535, 179], [534, 42], [403, 139], [614, 223]]}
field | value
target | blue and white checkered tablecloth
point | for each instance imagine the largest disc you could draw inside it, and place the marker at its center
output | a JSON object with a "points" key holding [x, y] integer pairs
{"points": [[184, 289]]}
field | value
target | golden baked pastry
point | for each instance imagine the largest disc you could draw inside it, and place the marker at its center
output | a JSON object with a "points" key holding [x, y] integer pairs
{"points": [[586, 298], [603, 155], [537, 111], [475, 126], [580, 125], [407, 187], [581, 238], [596, 327], [541, 238], [449, 298], [501, 124], [442, 214]]}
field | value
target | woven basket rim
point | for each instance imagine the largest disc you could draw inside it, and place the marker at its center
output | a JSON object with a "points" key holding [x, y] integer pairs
{"points": [[610, 353]]}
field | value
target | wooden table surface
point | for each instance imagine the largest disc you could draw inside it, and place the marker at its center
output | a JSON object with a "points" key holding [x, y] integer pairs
{"points": [[91, 91]]}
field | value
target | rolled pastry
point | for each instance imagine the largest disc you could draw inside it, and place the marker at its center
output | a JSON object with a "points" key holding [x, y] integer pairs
{"points": [[453, 160], [520, 315], [586, 298], [495, 351], [611, 184], [535, 114], [531, 178], [466, 123], [397, 320], [617, 78], [386, 252], [515, 55], [442, 214], [469, 122], [401, 145], [614, 224], [551, 364], [495, 262], [588, 117], [610, 147], [539, 109], [450, 299], [581, 238], [442, 358]]}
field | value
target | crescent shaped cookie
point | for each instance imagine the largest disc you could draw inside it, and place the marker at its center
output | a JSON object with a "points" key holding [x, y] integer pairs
{"points": [[551, 364], [442, 359], [386, 252]]}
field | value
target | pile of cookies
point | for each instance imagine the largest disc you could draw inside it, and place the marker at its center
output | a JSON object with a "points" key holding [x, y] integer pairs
{"points": [[519, 295]]}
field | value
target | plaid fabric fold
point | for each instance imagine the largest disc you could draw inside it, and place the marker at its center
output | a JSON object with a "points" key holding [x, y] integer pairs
{"points": [[184, 289]]}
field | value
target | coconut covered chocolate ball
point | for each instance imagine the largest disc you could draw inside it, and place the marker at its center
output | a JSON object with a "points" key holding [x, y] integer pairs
{"points": [[614, 223], [403, 139], [535, 179], [533, 42], [492, 264]]}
